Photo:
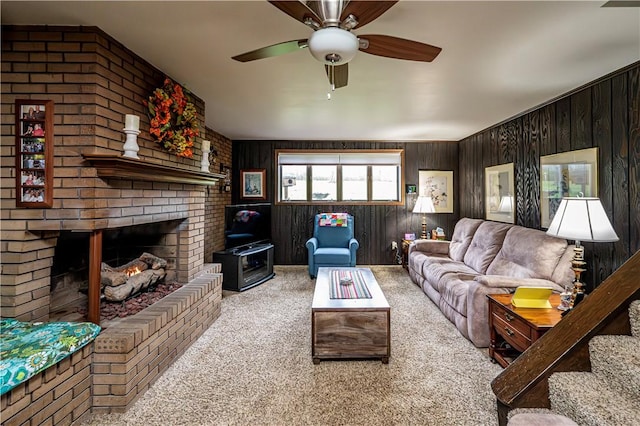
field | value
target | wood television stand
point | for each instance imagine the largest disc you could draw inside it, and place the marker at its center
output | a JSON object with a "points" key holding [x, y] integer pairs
{"points": [[246, 266]]}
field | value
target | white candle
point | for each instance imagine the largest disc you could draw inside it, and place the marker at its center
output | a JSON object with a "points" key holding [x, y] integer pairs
{"points": [[206, 145], [132, 122]]}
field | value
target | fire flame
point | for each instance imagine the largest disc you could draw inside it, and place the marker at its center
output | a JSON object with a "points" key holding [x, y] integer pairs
{"points": [[133, 271]]}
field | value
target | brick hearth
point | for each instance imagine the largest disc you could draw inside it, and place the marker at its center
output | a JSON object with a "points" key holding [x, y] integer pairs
{"points": [[109, 374]]}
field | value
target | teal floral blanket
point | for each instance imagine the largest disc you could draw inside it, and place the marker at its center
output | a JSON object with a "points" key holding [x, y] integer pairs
{"points": [[29, 348]]}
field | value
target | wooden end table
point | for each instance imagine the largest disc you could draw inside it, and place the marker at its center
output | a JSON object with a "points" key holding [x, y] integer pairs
{"points": [[513, 330], [405, 253]]}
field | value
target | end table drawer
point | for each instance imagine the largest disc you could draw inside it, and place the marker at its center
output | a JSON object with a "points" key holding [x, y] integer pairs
{"points": [[511, 334], [512, 320]]}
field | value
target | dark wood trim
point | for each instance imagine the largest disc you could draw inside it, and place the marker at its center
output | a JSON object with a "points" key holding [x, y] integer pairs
{"points": [[524, 383], [95, 259], [114, 166]]}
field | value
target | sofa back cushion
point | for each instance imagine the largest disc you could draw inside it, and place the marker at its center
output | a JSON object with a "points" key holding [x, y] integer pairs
{"points": [[461, 238], [485, 244], [528, 253]]}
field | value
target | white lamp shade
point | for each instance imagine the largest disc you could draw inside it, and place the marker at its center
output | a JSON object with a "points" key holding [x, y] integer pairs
{"points": [[333, 40], [424, 204], [582, 219]]}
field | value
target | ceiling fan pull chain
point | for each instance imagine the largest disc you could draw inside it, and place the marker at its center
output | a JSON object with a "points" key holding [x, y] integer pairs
{"points": [[332, 79]]}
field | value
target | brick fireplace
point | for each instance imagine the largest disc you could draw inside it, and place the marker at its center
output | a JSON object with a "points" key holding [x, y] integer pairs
{"points": [[94, 81]]}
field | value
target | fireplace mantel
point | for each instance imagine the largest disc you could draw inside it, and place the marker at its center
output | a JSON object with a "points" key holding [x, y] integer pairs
{"points": [[114, 166]]}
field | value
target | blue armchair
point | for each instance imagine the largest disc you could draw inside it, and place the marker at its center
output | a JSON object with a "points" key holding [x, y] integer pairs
{"points": [[332, 243]]}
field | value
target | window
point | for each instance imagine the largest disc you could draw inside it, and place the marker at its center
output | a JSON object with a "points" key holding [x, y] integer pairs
{"points": [[340, 177]]}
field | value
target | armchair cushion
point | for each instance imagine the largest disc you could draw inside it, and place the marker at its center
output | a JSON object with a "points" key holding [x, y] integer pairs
{"points": [[332, 255]]}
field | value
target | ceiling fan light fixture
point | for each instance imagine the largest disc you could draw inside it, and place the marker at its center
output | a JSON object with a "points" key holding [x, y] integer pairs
{"points": [[333, 45]]}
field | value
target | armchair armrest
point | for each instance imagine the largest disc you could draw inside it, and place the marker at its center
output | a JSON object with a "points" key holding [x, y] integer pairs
{"points": [[353, 247], [312, 244], [430, 246]]}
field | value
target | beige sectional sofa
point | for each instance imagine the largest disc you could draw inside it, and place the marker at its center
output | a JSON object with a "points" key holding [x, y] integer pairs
{"points": [[485, 257]]}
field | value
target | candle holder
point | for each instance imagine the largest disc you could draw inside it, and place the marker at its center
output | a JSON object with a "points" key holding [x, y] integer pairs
{"points": [[131, 147], [132, 130], [204, 165]]}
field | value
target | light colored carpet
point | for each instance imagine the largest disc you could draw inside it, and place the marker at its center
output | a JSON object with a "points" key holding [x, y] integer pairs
{"points": [[253, 366]]}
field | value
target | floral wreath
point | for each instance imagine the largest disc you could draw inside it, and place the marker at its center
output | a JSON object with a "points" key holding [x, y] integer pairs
{"points": [[173, 119]]}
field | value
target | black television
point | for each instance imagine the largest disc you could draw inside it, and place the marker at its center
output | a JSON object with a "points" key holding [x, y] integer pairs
{"points": [[246, 224]]}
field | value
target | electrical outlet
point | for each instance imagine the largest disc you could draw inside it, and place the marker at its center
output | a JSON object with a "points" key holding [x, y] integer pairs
{"points": [[394, 245]]}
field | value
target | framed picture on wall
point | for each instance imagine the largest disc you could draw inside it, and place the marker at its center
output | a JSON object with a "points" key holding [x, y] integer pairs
{"points": [[499, 193], [437, 184], [568, 174], [253, 184], [34, 153]]}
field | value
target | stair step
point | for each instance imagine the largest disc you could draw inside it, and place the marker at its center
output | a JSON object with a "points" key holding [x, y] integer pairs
{"points": [[538, 417], [634, 316], [617, 360], [589, 400]]}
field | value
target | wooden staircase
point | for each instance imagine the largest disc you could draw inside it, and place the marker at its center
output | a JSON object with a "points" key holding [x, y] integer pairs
{"points": [[525, 382]]}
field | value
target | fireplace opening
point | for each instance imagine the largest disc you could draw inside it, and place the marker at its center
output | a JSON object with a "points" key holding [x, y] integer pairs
{"points": [[152, 248]]}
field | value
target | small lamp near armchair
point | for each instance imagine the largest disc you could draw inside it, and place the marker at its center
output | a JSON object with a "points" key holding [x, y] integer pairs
{"points": [[424, 204], [581, 219]]}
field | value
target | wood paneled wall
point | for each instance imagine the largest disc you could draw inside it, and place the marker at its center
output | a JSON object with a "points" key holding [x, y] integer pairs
{"points": [[375, 226], [603, 114]]}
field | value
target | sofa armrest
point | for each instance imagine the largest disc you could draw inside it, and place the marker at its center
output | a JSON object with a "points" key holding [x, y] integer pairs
{"points": [[478, 311], [504, 281], [429, 246]]}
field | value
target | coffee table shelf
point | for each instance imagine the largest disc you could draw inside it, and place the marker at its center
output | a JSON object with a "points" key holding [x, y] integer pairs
{"points": [[350, 328]]}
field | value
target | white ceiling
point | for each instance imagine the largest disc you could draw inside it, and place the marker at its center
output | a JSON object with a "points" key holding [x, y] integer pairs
{"points": [[499, 58]]}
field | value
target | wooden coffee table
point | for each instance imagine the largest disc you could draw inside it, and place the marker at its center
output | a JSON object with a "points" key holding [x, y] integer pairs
{"points": [[349, 328]]}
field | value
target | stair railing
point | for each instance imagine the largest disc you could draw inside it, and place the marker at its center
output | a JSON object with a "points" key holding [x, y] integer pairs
{"points": [[565, 347]]}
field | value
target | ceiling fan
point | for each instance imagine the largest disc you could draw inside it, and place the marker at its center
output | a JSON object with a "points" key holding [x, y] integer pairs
{"points": [[332, 41]]}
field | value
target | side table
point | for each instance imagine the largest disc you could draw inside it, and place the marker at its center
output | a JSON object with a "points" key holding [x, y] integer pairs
{"points": [[512, 330], [405, 253]]}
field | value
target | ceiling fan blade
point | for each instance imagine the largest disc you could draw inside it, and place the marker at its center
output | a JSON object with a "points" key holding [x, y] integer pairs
{"points": [[366, 11], [399, 48], [338, 75], [273, 50], [297, 10], [621, 3]]}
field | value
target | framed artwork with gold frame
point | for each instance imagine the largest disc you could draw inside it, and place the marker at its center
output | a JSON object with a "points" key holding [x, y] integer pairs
{"points": [[568, 174], [253, 184], [437, 184], [499, 193]]}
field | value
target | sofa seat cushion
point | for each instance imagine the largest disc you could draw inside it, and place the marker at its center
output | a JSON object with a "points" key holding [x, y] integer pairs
{"points": [[439, 274], [418, 260], [528, 253], [454, 294], [461, 237], [486, 243], [332, 256]]}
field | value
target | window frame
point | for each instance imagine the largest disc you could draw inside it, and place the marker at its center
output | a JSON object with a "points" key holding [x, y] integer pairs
{"points": [[339, 183]]}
